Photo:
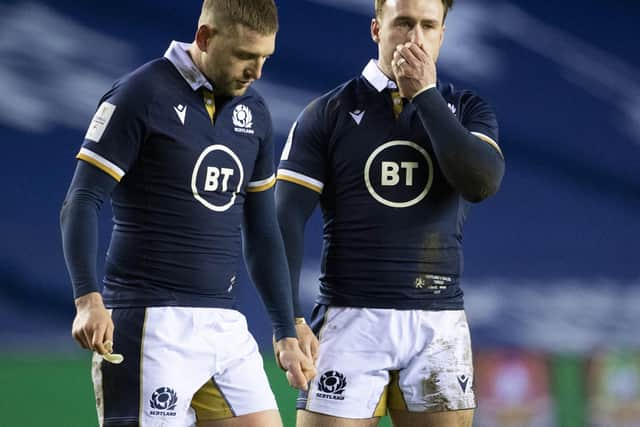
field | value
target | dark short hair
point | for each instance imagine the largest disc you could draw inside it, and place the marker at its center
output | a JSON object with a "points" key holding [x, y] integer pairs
{"points": [[258, 15], [448, 4]]}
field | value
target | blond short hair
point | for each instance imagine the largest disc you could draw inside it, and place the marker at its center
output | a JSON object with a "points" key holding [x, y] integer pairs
{"points": [[258, 15], [448, 4]]}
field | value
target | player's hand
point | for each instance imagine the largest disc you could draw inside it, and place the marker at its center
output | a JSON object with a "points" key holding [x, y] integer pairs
{"points": [[295, 363], [308, 341], [92, 326], [413, 68]]}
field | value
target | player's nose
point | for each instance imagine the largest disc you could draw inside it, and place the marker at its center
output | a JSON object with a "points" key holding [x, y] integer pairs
{"points": [[255, 71], [416, 36]]}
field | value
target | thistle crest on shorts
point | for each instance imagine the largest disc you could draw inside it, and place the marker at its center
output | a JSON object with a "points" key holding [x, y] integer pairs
{"points": [[331, 385], [164, 401]]}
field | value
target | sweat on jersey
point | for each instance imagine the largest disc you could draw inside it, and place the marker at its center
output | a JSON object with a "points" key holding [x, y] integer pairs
{"points": [[392, 220]]}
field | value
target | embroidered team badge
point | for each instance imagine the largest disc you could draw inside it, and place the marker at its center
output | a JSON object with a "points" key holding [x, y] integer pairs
{"points": [[243, 119], [163, 402], [331, 385]]}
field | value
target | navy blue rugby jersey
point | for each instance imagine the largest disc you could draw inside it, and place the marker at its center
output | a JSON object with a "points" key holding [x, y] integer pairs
{"points": [[184, 162], [392, 223]]}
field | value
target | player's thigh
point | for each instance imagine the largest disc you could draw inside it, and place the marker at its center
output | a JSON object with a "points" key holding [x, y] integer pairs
{"points": [[269, 418], [239, 390], [462, 418], [312, 419], [353, 365], [439, 375]]}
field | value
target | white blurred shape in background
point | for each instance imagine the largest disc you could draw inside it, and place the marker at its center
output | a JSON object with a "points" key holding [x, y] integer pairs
{"points": [[53, 70]]}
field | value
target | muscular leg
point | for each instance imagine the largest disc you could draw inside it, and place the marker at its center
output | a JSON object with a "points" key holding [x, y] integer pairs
{"points": [[312, 419], [462, 418], [257, 419]]}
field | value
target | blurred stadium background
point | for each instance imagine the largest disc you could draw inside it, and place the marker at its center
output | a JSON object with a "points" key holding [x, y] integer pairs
{"points": [[552, 262]]}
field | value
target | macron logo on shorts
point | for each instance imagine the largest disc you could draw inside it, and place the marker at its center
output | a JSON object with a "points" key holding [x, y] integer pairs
{"points": [[463, 380]]}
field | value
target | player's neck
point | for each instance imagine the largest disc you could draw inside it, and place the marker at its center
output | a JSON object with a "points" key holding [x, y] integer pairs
{"points": [[387, 72], [194, 55]]}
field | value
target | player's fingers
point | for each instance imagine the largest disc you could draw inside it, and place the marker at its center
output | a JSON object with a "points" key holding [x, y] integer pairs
{"points": [[305, 346], [396, 67], [419, 52], [97, 339], [86, 338], [308, 369], [296, 378], [81, 338], [310, 374], [406, 53], [398, 60], [315, 347], [108, 335], [278, 362]]}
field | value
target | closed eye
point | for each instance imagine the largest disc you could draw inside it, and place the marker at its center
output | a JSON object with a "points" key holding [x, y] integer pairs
{"points": [[404, 23], [429, 24]]}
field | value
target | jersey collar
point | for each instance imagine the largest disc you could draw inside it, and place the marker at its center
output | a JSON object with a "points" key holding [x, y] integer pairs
{"points": [[377, 78], [178, 55]]}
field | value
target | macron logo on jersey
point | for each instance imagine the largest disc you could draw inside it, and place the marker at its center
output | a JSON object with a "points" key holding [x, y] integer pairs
{"points": [[181, 111], [357, 116]]}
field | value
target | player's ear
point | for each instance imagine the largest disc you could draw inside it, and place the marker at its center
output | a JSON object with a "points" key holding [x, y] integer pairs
{"points": [[203, 36], [375, 30]]}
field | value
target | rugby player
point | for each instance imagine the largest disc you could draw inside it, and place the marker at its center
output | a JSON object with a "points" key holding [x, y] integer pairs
{"points": [[395, 158], [183, 148]]}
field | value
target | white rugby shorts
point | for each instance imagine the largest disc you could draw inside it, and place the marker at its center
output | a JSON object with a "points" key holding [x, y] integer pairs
{"points": [[371, 360], [181, 365]]}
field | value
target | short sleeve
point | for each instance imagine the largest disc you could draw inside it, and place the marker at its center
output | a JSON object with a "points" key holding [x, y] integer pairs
{"points": [[264, 176], [118, 127], [304, 157]]}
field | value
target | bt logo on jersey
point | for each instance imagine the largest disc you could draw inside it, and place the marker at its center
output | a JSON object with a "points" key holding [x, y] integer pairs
{"points": [[391, 175], [217, 178], [399, 174], [212, 180]]}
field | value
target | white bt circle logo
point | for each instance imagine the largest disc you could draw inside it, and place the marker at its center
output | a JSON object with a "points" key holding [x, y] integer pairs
{"points": [[217, 178], [399, 174]]}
